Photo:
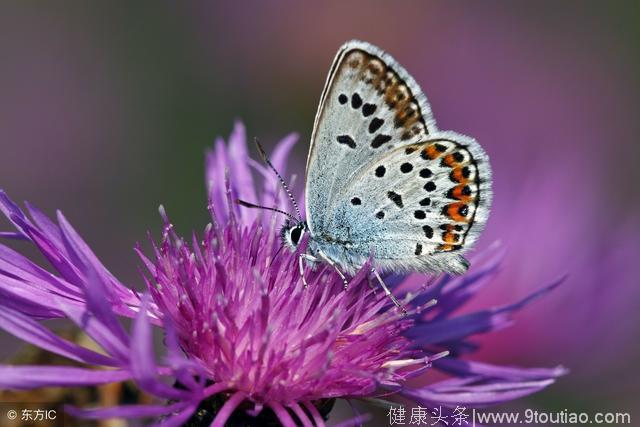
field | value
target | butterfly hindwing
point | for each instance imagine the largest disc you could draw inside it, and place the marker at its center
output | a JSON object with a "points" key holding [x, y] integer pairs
{"points": [[417, 208]]}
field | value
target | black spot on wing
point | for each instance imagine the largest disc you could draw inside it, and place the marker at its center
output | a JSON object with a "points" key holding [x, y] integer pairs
{"points": [[441, 148], [380, 171], [395, 198], [418, 249], [430, 186], [428, 231], [346, 140], [342, 99], [379, 140], [375, 124], [368, 109], [406, 167], [356, 201], [356, 101]]}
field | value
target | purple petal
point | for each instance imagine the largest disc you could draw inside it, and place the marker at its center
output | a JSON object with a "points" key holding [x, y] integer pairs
{"points": [[512, 373], [29, 377], [216, 165], [462, 289], [84, 256], [457, 287], [14, 264], [44, 223], [64, 249], [56, 256], [183, 368], [302, 416], [31, 301], [9, 208], [458, 328], [100, 305], [29, 330], [143, 365], [227, 409], [14, 235], [474, 395], [241, 178], [283, 415], [272, 185], [317, 418], [101, 333], [281, 152]]}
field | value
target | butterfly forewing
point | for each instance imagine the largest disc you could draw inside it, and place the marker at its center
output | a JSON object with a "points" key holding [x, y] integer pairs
{"points": [[367, 108], [382, 180]]}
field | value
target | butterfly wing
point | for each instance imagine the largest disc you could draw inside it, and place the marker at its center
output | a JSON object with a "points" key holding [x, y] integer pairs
{"points": [[382, 179], [417, 207], [369, 105]]}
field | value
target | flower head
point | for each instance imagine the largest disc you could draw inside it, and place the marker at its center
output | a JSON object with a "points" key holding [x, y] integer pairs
{"points": [[241, 312], [240, 328]]}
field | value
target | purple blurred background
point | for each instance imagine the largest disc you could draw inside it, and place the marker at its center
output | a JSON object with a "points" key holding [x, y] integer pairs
{"points": [[106, 110]]}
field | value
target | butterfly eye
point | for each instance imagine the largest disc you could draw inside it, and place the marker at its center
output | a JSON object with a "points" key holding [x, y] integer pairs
{"points": [[296, 234]]}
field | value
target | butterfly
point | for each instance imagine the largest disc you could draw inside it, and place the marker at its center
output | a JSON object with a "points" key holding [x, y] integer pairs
{"points": [[382, 182]]}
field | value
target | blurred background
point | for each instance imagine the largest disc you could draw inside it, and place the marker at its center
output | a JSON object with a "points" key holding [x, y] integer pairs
{"points": [[106, 109]]}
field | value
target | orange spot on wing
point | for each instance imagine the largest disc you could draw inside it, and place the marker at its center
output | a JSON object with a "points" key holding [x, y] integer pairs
{"points": [[449, 160], [458, 193], [431, 152], [458, 176], [450, 237], [457, 211]]}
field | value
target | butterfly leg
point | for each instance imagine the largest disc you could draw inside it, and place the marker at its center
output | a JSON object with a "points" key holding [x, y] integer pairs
{"points": [[301, 259], [301, 266], [388, 292], [335, 267]]}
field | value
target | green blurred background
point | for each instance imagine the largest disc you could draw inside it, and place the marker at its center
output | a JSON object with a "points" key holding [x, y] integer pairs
{"points": [[106, 109]]}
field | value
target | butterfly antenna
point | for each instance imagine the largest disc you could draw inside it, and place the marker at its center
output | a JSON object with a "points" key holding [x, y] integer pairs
{"points": [[263, 154], [275, 255], [251, 205]]}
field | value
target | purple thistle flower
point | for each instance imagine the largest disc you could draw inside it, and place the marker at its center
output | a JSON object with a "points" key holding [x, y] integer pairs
{"points": [[242, 335]]}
